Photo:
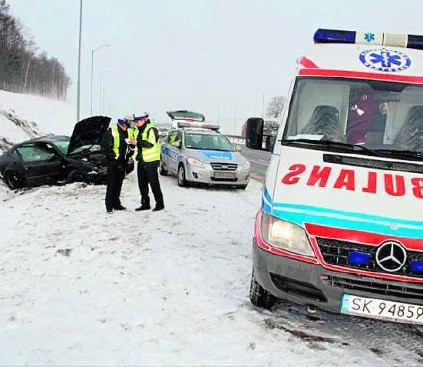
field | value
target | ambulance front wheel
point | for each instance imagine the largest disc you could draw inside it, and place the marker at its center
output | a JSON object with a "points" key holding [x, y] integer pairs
{"points": [[259, 296]]}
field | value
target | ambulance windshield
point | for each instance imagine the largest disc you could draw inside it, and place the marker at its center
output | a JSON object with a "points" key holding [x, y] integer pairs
{"points": [[381, 116]]}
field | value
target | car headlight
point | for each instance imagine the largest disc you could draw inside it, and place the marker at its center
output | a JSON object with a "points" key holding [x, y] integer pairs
{"points": [[246, 165], [285, 235], [195, 163]]}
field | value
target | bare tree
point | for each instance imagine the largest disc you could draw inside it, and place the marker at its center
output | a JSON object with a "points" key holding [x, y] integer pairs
{"points": [[21, 68], [275, 106]]}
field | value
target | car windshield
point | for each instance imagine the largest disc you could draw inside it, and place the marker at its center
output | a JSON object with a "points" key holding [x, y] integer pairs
{"points": [[186, 115], [383, 117], [208, 142], [62, 145]]}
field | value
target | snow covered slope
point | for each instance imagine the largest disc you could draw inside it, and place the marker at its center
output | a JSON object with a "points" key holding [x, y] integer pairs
{"points": [[24, 116]]}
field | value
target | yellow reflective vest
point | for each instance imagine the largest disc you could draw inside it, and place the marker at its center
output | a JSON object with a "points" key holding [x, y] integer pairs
{"points": [[116, 139], [148, 154]]}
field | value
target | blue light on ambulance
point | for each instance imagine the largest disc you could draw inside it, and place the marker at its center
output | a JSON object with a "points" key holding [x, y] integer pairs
{"points": [[334, 36], [416, 266], [359, 258], [382, 39]]}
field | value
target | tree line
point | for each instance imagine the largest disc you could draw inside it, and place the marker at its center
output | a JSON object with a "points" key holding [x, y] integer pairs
{"points": [[22, 68]]}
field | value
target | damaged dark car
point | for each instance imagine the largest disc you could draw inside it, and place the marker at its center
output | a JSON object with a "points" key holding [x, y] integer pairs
{"points": [[59, 159]]}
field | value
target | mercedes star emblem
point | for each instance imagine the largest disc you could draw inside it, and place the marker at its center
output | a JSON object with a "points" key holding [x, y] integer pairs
{"points": [[391, 256]]}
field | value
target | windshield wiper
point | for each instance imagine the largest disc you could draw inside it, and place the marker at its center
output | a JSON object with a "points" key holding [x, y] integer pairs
{"points": [[401, 153], [335, 144]]}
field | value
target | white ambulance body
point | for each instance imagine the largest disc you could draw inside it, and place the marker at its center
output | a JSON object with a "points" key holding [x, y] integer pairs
{"points": [[341, 222]]}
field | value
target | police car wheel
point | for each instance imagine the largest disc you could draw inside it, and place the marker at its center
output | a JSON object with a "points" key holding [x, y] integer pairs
{"points": [[162, 171], [259, 296], [181, 176]]}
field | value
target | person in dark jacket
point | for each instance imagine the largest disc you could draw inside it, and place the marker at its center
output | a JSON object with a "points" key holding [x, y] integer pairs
{"points": [[115, 147], [147, 154]]}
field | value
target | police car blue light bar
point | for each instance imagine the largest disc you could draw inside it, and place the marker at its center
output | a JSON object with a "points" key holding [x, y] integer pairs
{"points": [[182, 124], [368, 38]]}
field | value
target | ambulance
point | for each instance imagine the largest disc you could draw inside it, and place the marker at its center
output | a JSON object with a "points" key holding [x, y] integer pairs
{"points": [[340, 226]]}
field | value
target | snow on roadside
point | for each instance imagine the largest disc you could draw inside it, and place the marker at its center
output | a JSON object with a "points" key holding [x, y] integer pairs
{"points": [[81, 287]]}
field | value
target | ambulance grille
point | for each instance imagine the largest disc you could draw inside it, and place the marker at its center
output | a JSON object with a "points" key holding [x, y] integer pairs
{"points": [[376, 286], [335, 252]]}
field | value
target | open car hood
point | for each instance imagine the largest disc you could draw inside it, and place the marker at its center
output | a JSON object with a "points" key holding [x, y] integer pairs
{"points": [[88, 132], [186, 115]]}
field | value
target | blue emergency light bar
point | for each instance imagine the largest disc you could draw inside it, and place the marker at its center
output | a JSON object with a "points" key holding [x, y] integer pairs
{"points": [[359, 258], [416, 266], [182, 124], [369, 38]]}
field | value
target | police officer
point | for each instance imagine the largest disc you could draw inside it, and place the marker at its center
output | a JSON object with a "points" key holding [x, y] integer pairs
{"points": [[116, 149], [147, 154]]}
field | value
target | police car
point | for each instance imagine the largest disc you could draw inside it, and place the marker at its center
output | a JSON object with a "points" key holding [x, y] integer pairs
{"points": [[202, 155]]}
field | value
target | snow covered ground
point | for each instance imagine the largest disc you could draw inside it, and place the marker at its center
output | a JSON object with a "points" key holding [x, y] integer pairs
{"points": [[81, 287]]}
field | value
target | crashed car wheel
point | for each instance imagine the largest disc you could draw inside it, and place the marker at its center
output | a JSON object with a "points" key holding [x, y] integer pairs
{"points": [[75, 176], [181, 176], [259, 296], [14, 180]]}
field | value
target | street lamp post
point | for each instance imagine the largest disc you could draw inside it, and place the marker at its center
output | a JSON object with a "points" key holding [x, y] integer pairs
{"points": [[92, 72], [78, 87], [101, 78]]}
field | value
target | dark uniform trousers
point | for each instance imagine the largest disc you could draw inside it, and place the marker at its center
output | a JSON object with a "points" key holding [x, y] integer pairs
{"points": [[147, 173], [115, 176]]}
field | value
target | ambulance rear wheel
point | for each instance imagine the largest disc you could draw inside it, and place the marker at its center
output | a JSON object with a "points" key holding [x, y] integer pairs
{"points": [[259, 296]]}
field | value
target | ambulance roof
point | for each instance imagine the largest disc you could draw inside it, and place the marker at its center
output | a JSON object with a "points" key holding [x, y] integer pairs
{"points": [[378, 56]]}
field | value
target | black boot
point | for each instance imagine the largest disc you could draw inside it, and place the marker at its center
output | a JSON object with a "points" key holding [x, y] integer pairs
{"points": [[143, 207], [158, 207]]}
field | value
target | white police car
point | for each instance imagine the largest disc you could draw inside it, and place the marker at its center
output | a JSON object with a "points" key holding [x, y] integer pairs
{"points": [[203, 156]]}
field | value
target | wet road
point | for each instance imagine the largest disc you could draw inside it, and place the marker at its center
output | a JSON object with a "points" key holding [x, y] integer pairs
{"points": [[259, 160]]}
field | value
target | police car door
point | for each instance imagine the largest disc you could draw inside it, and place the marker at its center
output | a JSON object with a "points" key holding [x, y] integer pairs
{"points": [[173, 153]]}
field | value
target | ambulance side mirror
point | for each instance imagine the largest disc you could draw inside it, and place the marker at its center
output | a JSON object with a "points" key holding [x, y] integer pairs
{"points": [[254, 133]]}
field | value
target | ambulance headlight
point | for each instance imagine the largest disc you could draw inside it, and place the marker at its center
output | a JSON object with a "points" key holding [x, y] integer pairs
{"points": [[285, 235]]}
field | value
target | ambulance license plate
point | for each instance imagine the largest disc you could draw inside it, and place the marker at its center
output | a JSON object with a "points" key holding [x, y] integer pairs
{"points": [[380, 309]]}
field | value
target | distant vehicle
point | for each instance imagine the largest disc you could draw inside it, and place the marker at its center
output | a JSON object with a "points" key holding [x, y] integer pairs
{"points": [[57, 158], [185, 117], [163, 130], [204, 156]]}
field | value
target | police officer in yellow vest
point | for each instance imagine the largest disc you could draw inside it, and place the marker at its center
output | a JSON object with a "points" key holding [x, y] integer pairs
{"points": [[147, 154], [115, 147]]}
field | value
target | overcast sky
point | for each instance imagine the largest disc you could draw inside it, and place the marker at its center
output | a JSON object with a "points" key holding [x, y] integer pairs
{"points": [[223, 58]]}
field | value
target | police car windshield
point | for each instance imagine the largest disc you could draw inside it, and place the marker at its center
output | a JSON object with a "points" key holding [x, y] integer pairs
{"points": [[379, 115], [208, 142]]}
